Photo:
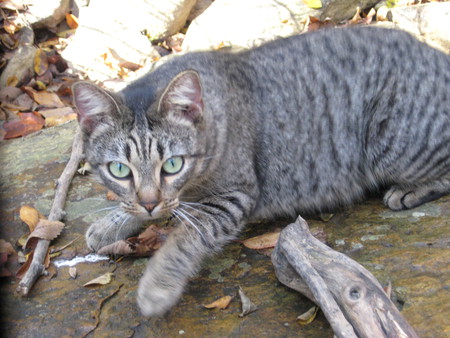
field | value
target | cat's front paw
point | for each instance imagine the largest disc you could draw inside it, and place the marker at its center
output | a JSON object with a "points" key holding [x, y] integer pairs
{"points": [[110, 229], [156, 296]]}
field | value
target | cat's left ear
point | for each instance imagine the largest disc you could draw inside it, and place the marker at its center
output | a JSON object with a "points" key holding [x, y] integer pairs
{"points": [[95, 106], [183, 97]]}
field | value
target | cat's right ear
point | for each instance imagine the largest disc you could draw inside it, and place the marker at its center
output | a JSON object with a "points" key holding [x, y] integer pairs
{"points": [[94, 106]]}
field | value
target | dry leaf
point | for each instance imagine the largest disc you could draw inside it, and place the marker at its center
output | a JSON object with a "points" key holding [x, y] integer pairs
{"points": [[72, 21], [50, 100], [221, 303], [30, 216], [266, 241], [102, 280], [308, 316], [130, 65], [57, 120], [45, 229], [121, 247], [40, 62], [73, 272], [143, 245], [153, 237], [247, 305], [28, 123], [24, 268]]}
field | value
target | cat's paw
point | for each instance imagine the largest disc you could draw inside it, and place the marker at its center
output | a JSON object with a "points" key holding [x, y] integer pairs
{"points": [[99, 234], [110, 229], [400, 198], [156, 298]]}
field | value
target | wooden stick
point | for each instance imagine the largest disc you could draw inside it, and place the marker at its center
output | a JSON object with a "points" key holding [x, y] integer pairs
{"points": [[57, 213], [350, 296]]}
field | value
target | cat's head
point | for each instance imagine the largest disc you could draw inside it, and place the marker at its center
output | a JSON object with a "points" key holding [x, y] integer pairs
{"points": [[148, 159]]}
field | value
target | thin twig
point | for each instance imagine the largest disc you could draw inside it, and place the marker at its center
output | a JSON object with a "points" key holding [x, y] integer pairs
{"points": [[56, 214]]}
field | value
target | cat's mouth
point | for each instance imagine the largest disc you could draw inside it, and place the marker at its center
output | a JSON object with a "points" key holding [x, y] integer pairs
{"points": [[151, 211]]}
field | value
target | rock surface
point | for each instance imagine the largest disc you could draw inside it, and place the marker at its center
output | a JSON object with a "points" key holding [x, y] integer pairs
{"points": [[410, 249], [246, 24], [126, 28], [429, 23]]}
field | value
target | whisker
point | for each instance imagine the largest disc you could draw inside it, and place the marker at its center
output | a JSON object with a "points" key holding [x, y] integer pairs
{"points": [[184, 224], [100, 210], [181, 214], [190, 206], [198, 221]]}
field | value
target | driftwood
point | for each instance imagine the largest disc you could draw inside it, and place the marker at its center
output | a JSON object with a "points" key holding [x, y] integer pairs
{"points": [[57, 213], [351, 298]]}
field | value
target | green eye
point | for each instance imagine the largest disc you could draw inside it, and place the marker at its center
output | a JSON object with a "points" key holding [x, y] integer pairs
{"points": [[173, 165], [119, 170]]}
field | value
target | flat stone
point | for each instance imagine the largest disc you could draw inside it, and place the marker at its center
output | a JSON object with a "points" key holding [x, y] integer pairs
{"points": [[413, 256]]}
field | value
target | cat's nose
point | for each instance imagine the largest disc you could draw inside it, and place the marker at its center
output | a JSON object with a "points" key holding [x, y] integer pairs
{"points": [[149, 206]]}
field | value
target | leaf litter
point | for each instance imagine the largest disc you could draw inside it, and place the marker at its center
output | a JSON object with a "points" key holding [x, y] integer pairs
{"points": [[247, 305], [221, 303], [40, 228]]}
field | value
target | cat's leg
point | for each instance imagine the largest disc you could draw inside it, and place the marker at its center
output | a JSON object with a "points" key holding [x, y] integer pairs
{"points": [[115, 226], [202, 230], [400, 198]]}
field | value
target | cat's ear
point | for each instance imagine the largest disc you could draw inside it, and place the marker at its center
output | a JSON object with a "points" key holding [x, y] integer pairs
{"points": [[183, 97], [94, 106]]}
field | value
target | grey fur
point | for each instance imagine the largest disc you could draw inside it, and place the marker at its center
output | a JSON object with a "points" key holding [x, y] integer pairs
{"points": [[303, 124]]}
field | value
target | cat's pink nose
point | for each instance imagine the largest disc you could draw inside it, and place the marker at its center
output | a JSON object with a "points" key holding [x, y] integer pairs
{"points": [[149, 206]]}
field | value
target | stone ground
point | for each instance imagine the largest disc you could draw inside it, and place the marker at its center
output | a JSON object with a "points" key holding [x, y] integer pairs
{"points": [[411, 249]]}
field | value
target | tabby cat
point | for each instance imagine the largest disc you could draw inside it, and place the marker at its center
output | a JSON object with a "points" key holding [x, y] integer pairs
{"points": [[303, 124]]}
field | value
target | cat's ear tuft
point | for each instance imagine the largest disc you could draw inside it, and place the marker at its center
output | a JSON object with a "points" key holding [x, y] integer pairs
{"points": [[94, 105], [183, 97]]}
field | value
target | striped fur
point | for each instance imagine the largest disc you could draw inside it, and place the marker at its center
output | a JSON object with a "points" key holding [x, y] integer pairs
{"points": [[304, 124]]}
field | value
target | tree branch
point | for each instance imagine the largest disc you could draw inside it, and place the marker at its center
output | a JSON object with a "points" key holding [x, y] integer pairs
{"points": [[57, 213], [351, 298]]}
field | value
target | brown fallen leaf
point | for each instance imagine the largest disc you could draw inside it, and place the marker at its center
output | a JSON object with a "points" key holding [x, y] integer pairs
{"points": [[265, 241], [307, 317], [45, 229], [47, 99], [57, 120], [28, 123], [29, 258], [247, 305], [40, 62], [122, 247], [30, 216], [221, 303], [143, 245], [153, 237], [102, 280], [72, 21]]}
